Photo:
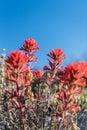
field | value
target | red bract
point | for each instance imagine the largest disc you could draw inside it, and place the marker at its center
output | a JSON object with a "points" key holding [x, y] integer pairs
{"points": [[38, 74], [16, 59], [16, 68], [29, 45], [73, 74], [57, 55], [75, 108]]}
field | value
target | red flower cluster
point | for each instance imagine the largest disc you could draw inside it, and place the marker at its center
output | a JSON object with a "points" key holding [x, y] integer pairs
{"points": [[16, 69], [30, 46], [74, 73], [57, 57], [16, 61], [38, 75]]}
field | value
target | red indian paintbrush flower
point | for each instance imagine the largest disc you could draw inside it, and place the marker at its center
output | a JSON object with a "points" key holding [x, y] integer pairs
{"points": [[30, 45], [38, 74], [57, 57], [16, 60], [73, 74]]}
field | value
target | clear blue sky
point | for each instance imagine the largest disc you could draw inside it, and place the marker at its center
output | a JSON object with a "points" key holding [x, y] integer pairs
{"points": [[52, 23]]}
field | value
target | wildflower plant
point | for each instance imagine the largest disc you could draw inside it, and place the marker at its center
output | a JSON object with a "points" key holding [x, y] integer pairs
{"points": [[41, 100]]}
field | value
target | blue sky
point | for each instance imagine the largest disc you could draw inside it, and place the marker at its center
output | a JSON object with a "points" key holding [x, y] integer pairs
{"points": [[52, 23]]}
